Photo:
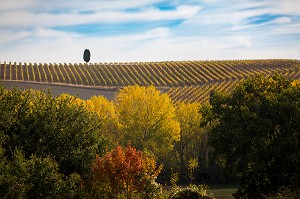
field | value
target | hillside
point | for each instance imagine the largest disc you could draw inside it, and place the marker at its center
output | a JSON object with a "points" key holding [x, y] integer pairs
{"points": [[183, 80]]}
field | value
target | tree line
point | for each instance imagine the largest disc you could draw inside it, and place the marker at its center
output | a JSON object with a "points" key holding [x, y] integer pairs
{"points": [[68, 147]]}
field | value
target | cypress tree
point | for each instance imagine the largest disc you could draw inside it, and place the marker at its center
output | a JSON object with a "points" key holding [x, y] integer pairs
{"points": [[86, 55]]}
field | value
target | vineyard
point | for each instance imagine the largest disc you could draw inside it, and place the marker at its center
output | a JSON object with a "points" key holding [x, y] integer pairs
{"points": [[188, 81]]}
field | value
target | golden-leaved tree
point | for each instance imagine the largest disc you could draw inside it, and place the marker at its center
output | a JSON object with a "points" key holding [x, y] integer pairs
{"points": [[189, 146], [107, 115], [147, 119]]}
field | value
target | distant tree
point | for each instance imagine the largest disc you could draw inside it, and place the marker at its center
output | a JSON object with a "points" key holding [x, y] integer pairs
{"points": [[255, 130], [86, 55]]}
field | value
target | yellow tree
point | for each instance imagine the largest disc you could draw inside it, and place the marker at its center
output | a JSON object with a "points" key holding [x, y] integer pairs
{"points": [[106, 113], [71, 99], [188, 147], [147, 119]]}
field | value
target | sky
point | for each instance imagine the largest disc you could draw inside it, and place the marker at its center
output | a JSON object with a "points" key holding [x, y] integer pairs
{"points": [[59, 31]]}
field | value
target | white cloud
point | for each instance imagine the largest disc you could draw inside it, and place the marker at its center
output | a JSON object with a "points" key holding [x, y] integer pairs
{"points": [[237, 12], [6, 36], [288, 29], [281, 20], [288, 7], [8, 5], [74, 5], [157, 33], [226, 16], [28, 19], [42, 33], [154, 45], [242, 41], [211, 29], [95, 4]]}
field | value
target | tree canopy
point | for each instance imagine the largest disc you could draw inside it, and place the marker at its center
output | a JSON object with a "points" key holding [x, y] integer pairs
{"points": [[147, 119], [42, 125], [188, 147], [255, 131], [124, 169]]}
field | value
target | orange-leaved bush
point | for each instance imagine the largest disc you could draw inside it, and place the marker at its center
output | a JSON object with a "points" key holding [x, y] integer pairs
{"points": [[124, 170]]}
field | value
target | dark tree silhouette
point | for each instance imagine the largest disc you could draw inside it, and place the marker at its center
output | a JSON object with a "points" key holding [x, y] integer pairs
{"points": [[255, 131], [86, 55]]}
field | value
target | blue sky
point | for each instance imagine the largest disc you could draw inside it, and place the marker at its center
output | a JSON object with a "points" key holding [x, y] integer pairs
{"points": [[148, 30]]}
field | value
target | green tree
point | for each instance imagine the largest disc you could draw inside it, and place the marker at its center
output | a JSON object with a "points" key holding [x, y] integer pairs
{"points": [[35, 178], [105, 111], [147, 119], [42, 125], [255, 130]]}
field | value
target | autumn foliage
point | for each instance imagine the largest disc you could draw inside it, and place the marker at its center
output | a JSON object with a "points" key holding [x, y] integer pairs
{"points": [[147, 119], [125, 170]]}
